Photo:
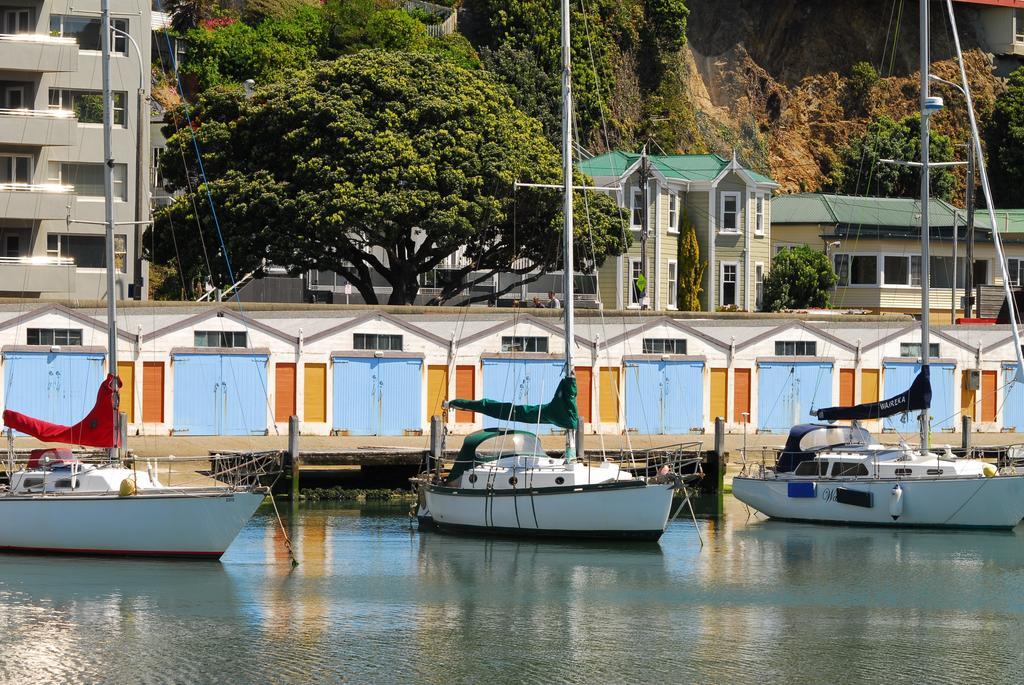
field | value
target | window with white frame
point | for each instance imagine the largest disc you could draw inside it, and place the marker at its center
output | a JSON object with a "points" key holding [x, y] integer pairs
{"points": [[1014, 267], [759, 215], [1018, 26], [87, 179], [635, 295], [856, 269], [524, 343], [759, 286], [15, 168], [673, 284], [673, 212], [220, 338], [86, 30], [914, 350], [664, 346], [728, 283], [901, 270], [54, 336], [376, 341], [796, 348], [637, 209], [88, 105], [729, 213]]}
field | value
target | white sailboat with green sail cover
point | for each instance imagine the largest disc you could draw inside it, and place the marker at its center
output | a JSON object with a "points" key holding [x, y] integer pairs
{"points": [[503, 482]]}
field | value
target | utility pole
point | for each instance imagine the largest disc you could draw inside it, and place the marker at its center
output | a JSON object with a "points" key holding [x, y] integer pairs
{"points": [[969, 268]]}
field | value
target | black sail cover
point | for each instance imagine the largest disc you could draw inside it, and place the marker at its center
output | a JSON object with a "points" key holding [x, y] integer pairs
{"points": [[917, 397]]}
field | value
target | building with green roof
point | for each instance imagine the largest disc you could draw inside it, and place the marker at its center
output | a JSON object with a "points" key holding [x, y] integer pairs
{"points": [[729, 207], [875, 246]]}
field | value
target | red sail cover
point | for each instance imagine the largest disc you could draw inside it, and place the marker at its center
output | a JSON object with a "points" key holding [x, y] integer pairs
{"points": [[97, 429]]}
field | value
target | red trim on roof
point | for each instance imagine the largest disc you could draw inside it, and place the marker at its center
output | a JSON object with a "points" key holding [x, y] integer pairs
{"points": [[1000, 3]]}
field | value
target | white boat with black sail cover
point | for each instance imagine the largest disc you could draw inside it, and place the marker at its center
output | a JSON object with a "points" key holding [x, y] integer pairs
{"points": [[503, 482], [56, 503], [837, 474]]}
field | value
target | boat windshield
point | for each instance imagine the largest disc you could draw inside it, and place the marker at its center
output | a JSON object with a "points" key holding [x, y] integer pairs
{"points": [[830, 436], [510, 444]]}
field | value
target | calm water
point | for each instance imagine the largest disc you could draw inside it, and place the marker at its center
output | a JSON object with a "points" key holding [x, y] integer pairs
{"points": [[376, 601]]}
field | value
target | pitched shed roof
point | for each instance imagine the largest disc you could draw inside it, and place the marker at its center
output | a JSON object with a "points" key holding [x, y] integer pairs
{"points": [[853, 210]]}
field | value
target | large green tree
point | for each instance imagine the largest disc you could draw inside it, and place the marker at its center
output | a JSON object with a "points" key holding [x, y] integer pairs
{"points": [[377, 163], [800, 277], [858, 170], [1006, 143]]}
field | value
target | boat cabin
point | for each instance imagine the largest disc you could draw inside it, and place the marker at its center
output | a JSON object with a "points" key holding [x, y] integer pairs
{"points": [[805, 441]]}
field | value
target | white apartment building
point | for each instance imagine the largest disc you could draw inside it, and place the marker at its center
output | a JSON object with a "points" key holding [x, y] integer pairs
{"points": [[51, 147]]}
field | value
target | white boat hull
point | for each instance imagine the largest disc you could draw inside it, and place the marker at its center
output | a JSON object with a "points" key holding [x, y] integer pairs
{"points": [[623, 509], [166, 524], [970, 502]]}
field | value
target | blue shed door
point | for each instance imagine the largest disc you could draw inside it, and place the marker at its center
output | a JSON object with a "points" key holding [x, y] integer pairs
{"points": [[787, 392], [664, 397], [377, 395], [1013, 400], [899, 376], [59, 387], [220, 394], [243, 388], [521, 381]]}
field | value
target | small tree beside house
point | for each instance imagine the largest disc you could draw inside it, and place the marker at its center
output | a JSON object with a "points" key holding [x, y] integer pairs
{"points": [[691, 269], [800, 278]]}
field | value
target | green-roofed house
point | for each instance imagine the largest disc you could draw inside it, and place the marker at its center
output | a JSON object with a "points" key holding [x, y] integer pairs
{"points": [[875, 246], [728, 205]]}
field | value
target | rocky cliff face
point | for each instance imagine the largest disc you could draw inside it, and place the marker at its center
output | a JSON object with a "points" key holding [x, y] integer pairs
{"points": [[769, 78]]}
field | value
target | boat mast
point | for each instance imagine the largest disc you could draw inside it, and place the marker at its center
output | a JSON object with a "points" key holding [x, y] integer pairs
{"points": [[108, 205], [567, 228], [925, 229]]}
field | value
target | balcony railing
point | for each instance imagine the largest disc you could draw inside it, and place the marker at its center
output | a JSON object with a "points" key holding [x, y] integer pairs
{"points": [[38, 113], [36, 188], [37, 38], [38, 53], [37, 260]]}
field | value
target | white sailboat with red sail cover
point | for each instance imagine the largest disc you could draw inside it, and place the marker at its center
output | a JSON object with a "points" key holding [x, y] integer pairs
{"points": [[56, 503], [837, 474]]}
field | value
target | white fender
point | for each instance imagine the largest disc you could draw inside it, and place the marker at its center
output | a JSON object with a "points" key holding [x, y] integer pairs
{"points": [[896, 502]]}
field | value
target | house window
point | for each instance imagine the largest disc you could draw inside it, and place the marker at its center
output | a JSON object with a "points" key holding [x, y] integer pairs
{"points": [[86, 30], [637, 207], [155, 170], [730, 213], [856, 269], [673, 285], [728, 284], [796, 348], [15, 169], [1018, 26], [635, 295], [121, 252], [759, 216], [221, 339], [55, 336], [1014, 267], [17, 20], [901, 270], [664, 346], [88, 105], [914, 350], [673, 213], [759, 286], [87, 178], [377, 341], [523, 343], [86, 251]]}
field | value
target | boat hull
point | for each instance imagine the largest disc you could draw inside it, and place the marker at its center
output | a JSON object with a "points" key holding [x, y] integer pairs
{"points": [[934, 503], [629, 510], [176, 524]]}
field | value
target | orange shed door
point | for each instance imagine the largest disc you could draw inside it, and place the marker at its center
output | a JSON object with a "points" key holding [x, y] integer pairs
{"points": [[284, 392], [741, 395], [126, 372], [988, 395], [847, 379], [152, 392], [584, 391], [465, 389]]}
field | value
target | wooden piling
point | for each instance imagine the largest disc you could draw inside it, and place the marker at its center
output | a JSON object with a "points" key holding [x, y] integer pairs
{"points": [[965, 433], [293, 456]]}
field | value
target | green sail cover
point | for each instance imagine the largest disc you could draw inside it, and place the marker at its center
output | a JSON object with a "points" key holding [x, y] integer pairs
{"points": [[560, 411]]}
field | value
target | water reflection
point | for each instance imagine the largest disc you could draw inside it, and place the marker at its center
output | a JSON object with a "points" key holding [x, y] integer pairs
{"points": [[374, 600]]}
